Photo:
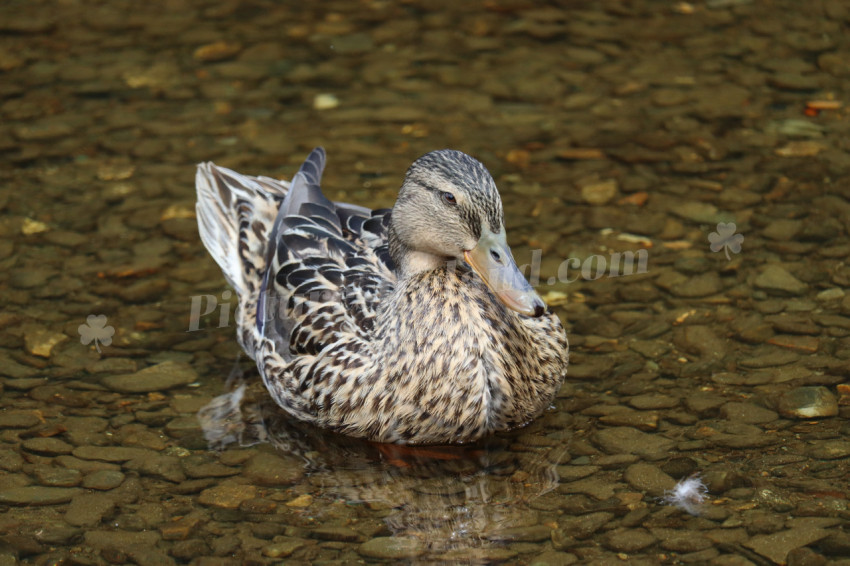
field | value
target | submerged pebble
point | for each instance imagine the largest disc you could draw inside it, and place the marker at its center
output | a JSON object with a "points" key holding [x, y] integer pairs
{"points": [[37, 495], [392, 548], [808, 403], [160, 377], [776, 280]]}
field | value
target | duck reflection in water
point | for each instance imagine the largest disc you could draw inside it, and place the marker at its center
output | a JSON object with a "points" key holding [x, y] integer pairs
{"points": [[451, 498]]}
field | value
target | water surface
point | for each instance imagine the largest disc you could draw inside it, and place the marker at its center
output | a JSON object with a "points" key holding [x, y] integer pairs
{"points": [[708, 136]]}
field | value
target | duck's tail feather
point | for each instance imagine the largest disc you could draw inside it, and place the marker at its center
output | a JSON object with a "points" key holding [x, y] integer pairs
{"points": [[236, 214]]}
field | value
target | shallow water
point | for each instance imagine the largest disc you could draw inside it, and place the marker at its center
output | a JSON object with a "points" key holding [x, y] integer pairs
{"points": [[612, 127]]}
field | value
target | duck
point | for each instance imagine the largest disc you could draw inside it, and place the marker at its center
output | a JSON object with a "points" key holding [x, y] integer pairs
{"points": [[411, 325]]}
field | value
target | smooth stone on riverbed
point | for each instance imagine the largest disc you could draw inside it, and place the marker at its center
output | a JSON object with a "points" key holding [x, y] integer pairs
{"points": [[36, 495], [183, 527], [48, 446], [336, 533], [599, 192], [553, 558], [227, 496], [629, 540], [56, 533], [182, 426], [700, 285], [702, 212], [648, 478], [572, 472], [808, 403], [701, 340], [84, 466], [649, 401], [642, 420], [111, 453], [627, 440], [777, 281], [270, 470], [40, 341], [581, 527], [773, 359], [58, 477], [749, 413], [88, 509], [103, 480], [19, 419], [393, 548], [121, 539], [303, 500], [776, 546], [160, 377], [284, 546], [831, 450], [828, 295], [158, 466], [11, 461], [598, 488]]}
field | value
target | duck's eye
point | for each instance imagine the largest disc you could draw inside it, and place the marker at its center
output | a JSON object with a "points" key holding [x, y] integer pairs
{"points": [[449, 198]]}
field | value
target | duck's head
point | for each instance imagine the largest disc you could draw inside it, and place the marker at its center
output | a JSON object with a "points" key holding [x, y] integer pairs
{"points": [[449, 208]]}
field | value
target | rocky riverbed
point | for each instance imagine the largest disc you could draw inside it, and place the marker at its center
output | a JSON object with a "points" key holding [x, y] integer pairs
{"points": [[675, 175]]}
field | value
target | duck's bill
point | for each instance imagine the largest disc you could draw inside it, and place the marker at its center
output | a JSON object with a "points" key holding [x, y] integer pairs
{"points": [[492, 260]]}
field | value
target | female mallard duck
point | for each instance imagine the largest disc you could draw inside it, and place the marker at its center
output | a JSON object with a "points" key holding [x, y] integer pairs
{"points": [[411, 325]]}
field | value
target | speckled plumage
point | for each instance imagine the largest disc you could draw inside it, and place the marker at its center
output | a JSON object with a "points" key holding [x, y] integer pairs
{"points": [[359, 324]]}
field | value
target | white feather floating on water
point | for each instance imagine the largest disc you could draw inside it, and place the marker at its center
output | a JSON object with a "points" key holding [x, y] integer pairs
{"points": [[688, 495]]}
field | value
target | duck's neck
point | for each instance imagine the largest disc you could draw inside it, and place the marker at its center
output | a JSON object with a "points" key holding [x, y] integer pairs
{"points": [[409, 262]]}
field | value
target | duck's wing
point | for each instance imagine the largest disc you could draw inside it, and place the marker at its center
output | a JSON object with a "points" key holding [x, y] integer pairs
{"points": [[328, 268]]}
